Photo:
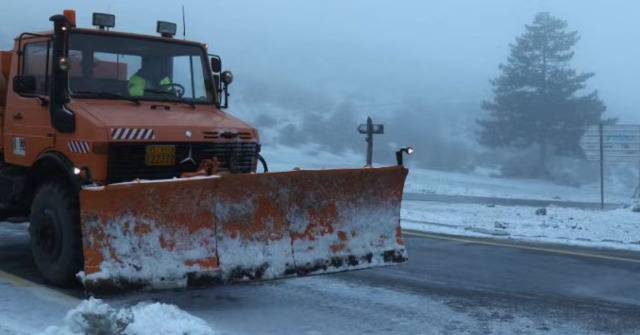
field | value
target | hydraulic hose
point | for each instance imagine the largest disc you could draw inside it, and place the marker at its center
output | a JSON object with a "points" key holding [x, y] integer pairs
{"points": [[263, 162]]}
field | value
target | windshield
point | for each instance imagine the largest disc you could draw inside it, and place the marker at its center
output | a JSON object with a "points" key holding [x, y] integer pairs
{"points": [[110, 66]]}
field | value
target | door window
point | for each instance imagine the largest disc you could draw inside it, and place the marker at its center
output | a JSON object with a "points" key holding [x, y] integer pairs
{"points": [[37, 63]]}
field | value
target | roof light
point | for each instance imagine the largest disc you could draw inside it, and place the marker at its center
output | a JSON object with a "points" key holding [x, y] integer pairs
{"points": [[102, 20], [70, 14], [167, 29]]}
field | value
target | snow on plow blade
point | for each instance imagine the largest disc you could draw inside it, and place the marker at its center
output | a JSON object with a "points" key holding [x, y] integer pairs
{"points": [[191, 231]]}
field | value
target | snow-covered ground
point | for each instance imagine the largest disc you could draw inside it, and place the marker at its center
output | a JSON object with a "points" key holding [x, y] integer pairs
{"points": [[474, 184], [281, 158], [618, 229]]}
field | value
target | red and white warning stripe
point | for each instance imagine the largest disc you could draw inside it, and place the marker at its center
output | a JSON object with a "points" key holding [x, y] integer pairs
{"points": [[82, 147], [132, 134]]}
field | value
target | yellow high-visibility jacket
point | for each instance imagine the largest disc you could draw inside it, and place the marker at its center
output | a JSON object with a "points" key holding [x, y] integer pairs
{"points": [[137, 84]]}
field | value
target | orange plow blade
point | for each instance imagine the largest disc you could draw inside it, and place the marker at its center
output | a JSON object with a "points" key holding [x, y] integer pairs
{"points": [[190, 231]]}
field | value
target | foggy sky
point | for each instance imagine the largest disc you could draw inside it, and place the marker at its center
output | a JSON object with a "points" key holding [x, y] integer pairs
{"points": [[378, 51]]}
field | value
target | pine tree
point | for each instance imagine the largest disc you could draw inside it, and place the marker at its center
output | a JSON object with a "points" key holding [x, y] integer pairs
{"points": [[537, 97]]}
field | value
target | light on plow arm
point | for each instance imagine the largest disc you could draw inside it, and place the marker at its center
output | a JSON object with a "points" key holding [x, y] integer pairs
{"points": [[399, 154]]}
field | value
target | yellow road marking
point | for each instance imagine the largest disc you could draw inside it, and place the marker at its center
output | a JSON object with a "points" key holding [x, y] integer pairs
{"points": [[524, 247], [15, 280], [39, 291]]}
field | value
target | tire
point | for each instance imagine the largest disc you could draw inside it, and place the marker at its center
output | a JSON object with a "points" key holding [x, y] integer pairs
{"points": [[56, 242]]}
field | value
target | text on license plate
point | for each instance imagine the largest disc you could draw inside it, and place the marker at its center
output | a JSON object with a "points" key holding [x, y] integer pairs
{"points": [[160, 155]]}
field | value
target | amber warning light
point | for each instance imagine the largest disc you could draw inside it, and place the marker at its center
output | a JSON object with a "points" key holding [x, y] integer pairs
{"points": [[70, 14]]}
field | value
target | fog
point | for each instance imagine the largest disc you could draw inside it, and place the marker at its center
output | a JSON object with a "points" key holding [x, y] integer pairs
{"points": [[308, 72]]}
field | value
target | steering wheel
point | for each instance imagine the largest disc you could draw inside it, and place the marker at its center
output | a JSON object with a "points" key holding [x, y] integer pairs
{"points": [[173, 87]]}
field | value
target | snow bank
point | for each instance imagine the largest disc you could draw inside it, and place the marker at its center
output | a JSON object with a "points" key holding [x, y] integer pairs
{"points": [[618, 229], [479, 185], [284, 158], [93, 316]]}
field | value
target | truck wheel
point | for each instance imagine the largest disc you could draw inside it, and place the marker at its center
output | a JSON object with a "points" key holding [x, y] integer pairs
{"points": [[55, 233]]}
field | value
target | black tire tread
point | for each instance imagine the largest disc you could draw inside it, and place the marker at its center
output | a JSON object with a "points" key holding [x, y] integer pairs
{"points": [[63, 274]]}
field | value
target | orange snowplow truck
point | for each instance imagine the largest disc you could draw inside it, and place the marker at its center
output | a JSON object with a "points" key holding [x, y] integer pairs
{"points": [[119, 151]]}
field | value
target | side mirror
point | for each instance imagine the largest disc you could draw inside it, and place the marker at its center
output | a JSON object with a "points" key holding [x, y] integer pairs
{"points": [[216, 65], [227, 77], [24, 84]]}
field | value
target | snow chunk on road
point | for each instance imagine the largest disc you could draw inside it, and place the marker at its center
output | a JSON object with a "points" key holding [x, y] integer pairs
{"points": [[93, 316], [158, 318]]}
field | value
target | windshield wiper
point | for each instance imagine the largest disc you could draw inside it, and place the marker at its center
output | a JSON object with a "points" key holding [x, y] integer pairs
{"points": [[192, 104], [108, 95], [172, 94]]}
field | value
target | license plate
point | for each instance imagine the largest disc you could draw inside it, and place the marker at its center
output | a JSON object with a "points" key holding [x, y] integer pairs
{"points": [[160, 155]]}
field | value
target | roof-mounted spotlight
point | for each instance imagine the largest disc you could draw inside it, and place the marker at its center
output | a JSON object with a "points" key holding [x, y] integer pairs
{"points": [[167, 29], [104, 21]]}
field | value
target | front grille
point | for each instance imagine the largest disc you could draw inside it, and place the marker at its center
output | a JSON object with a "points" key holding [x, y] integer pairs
{"points": [[127, 160], [209, 135]]}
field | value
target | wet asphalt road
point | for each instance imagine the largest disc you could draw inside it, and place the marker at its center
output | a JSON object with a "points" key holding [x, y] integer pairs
{"points": [[597, 295], [448, 287]]}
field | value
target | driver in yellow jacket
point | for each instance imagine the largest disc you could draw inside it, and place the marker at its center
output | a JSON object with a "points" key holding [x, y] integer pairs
{"points": [[143, 80]]}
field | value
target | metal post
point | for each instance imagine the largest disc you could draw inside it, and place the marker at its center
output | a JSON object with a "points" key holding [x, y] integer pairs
{"points": [[600, 128], [636, 194], [369, 141]]}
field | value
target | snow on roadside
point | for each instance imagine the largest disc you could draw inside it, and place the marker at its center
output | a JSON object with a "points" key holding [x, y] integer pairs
{"points": [[455, 183], [283, 158], [617, 229], [93, 316]]}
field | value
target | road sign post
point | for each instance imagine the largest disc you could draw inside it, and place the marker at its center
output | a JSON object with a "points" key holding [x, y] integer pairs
{"points": [[370, 129], [601, 131], [612, 143], [636, 194]]}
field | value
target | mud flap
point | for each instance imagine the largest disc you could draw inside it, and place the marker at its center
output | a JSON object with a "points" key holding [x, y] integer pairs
{"points": [[179, 232]]}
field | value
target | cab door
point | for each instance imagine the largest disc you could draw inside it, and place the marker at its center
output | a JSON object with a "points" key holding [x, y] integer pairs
{"points": [[28, 130]]}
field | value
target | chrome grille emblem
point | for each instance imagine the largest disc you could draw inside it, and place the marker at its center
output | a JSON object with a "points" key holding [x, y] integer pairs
{"points": [[189, 157]]}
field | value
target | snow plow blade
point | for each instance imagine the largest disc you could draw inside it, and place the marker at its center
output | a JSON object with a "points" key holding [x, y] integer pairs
{"points": [[240, 227]]}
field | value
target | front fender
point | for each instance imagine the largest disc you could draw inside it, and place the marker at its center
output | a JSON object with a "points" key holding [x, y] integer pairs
{"points": [[53, 165]]}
